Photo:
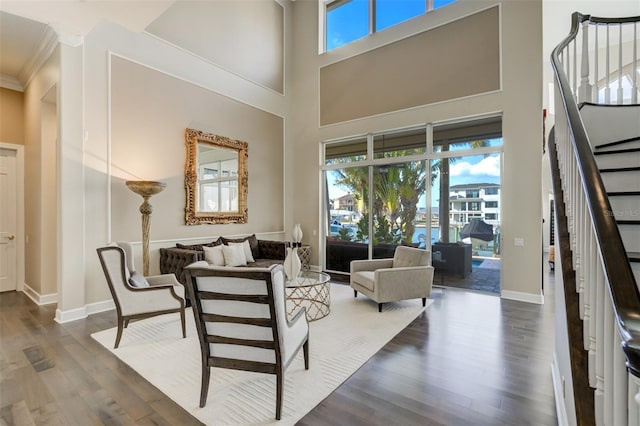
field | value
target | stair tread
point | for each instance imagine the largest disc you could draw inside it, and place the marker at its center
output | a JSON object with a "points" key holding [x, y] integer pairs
{"points": [[620, 169], [620, 142], [634, 256], [617, 151], [619, 193], [628, 222]]}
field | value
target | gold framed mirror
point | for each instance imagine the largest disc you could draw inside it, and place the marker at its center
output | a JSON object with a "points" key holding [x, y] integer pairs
{"points": [[215, 178]]}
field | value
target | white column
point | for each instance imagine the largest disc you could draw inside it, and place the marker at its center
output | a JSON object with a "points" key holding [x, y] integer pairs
{"points": [[71, 285]]}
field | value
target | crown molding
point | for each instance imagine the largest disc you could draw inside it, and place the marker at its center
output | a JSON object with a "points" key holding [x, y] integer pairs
{"points": [[9, 82], [46, 46]]}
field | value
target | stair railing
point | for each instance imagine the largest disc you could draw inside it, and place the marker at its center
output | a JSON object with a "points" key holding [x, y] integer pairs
{"points": [[609, 297]]}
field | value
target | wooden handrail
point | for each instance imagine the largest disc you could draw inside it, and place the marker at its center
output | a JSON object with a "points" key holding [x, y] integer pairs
{"points": [[621, 282]]}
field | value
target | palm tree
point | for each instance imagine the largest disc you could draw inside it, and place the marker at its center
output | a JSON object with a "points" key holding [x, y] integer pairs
{"points": [[398, 189]]}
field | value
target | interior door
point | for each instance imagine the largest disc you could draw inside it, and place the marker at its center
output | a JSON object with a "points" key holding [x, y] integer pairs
{"points": [[8, 202]]}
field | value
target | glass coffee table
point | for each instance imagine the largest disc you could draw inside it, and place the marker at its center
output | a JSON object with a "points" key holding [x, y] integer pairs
{"points": [[311, 290]]}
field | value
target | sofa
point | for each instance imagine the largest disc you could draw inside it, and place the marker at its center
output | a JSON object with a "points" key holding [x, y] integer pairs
{"points": [[341, 253], [454, 258], [265, 253]]}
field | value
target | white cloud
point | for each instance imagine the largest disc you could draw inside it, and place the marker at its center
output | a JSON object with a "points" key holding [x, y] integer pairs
{"points": [[488, 166]]}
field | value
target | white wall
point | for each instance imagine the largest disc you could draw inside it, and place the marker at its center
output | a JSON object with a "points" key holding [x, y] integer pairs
{"points": [[520, 100], [103, 154]]}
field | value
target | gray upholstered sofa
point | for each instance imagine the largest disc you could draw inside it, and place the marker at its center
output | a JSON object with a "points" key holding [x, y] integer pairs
{"points": [[173, 260]]}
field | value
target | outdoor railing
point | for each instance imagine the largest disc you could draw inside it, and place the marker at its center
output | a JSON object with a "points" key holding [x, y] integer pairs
{"points": [[589, 65]]}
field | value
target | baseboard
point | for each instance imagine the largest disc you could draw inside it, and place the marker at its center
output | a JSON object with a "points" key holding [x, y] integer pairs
{"points": [[38, 299], [94, 308], [522, 297], [70, 315], [558, 392]]}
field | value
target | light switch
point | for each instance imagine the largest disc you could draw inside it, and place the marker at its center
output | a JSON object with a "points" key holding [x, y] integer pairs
{"points": [[518, 242]]}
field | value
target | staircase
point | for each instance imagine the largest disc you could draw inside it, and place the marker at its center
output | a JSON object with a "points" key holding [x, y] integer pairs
{"points": [[594, 149], [614, 135]]}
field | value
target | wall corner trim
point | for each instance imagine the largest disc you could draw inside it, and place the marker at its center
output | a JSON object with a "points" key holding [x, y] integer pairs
{"points": [[37, 298], [522, 297], [97, 307], [70, 315]]}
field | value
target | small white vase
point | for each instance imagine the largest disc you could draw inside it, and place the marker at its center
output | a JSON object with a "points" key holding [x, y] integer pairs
{"points": [[292, 264], [297, 234]]}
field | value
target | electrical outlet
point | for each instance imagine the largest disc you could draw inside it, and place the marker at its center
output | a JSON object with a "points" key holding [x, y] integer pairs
{"points": [[518, 242]]}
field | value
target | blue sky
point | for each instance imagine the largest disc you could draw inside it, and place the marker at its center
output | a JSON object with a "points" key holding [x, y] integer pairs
{"points": [[350, 20]]}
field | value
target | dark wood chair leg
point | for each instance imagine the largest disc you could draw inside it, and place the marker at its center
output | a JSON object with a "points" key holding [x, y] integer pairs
{"points": [[379, 307], [184, 326], [305, 352], [204, 386], [355, 293], [119, 334], [424, 301], [279, 389]]}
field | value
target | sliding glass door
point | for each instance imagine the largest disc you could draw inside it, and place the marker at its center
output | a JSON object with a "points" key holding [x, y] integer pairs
{"points": [[396, 188]]}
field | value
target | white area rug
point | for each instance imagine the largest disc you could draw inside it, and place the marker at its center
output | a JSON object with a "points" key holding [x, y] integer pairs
{"points": [[339, 344]]}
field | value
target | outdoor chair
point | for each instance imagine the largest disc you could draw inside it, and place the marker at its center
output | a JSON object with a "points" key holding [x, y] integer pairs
{"points": [[408, 275]]}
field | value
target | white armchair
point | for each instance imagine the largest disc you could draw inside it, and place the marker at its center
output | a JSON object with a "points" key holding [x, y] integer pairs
{"points": [[242, 322], [409, 275], [138, 297]]}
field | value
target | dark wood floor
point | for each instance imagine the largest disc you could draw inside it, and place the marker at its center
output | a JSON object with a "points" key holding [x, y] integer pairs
{"points": [[470, 359]]}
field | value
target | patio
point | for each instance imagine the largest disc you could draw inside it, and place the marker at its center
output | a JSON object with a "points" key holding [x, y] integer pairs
{"points": [[484, 277]]}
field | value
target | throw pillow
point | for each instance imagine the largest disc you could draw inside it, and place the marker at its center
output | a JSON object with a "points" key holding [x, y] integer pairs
{"points": [[137, 280], [214, 255], [234, 256], [199, 247], [253, 242], [247, 250]]}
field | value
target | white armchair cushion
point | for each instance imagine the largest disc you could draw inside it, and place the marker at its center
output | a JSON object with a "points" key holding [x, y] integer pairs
{"points": [[292, 334], [364, 278]]}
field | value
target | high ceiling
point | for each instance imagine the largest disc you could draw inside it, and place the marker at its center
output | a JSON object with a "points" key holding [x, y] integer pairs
{"points": [[28, 28]]}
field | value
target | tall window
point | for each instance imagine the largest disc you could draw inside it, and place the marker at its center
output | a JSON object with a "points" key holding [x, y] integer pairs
{"points": [[350, 20], [406, 189]]}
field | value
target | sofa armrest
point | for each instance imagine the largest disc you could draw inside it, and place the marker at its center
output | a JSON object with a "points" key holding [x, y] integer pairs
{"points": [[164, 279], [404, 283], [271, 249], [173, 261], [370, 265]]}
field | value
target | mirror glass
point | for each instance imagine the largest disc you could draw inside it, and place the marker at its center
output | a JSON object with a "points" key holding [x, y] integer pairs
{"points": [[215, 179]]}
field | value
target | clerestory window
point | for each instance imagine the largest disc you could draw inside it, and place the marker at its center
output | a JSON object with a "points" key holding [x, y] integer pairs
{"points": [[349, 20]]}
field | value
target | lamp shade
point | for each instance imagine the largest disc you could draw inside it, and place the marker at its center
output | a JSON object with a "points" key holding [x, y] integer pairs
{"points": [[145, 188]]}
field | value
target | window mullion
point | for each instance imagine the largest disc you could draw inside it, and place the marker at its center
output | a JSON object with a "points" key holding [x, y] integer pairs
{"points": [[372, 16]]}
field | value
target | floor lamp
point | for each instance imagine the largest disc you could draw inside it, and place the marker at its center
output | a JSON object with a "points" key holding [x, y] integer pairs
{"points": [[146, 189]]}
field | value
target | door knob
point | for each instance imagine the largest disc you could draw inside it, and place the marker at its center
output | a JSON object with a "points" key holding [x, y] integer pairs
{"points": [[11, 237]]}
